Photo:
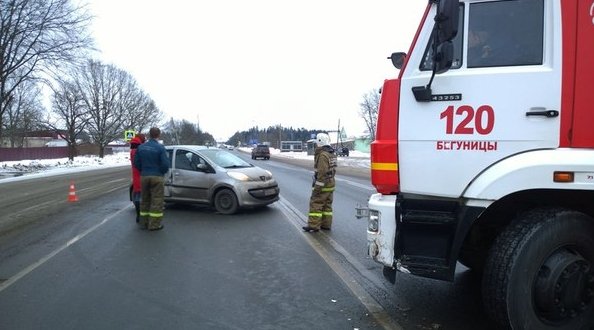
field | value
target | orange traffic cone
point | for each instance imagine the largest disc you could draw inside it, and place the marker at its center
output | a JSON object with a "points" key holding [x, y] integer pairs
{"points": [[72, 193]]}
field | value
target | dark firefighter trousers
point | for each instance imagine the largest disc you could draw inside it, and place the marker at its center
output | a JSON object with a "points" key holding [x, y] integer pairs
{"points": [[151, 201], [320, 207]]}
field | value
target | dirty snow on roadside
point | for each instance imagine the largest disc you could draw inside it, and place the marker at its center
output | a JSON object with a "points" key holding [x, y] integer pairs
{"points": [[44, 167]]}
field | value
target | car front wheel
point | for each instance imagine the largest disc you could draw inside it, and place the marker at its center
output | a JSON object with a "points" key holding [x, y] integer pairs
{"points": [[225, 201]]}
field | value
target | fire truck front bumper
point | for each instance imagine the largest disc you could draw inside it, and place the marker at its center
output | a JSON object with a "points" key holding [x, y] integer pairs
{"points": [[381, 227]]}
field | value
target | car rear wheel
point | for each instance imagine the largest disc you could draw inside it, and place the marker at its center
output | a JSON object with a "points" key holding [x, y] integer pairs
{"points": [[225, 201], [540, 273]]}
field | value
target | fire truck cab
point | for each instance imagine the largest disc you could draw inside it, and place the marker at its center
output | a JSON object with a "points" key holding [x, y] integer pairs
{"points": [[484, 156]]}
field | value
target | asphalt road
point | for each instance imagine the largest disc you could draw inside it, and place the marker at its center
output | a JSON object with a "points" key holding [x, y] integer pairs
{"points": [[26, 201], [86, 265], [412, 302]]}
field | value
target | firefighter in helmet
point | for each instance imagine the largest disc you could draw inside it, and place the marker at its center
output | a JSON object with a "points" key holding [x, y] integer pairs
{"points": [[320, 203]]}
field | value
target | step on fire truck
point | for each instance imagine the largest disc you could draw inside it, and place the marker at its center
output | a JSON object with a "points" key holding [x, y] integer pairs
{"points": [[484, 156]]}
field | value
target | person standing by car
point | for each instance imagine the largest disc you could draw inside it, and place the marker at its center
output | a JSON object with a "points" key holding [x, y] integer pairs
{"points": [[134, 143], [152, 161], [320, 203]]}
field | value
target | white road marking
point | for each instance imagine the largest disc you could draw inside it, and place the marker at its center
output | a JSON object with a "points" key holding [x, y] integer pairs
{"points": [[355, 184], [52, 254], [30, 208], [297, 219]]}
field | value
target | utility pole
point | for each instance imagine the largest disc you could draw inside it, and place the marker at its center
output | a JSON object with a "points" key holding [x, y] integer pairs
{"points": [[338, 133], [280, 135]]}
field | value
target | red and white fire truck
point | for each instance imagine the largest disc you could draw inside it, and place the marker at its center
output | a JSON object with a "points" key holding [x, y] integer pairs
{"points": [[484, 156]]}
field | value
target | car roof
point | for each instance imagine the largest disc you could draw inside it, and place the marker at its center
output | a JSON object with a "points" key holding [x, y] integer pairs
{"points": [[191, 147]]}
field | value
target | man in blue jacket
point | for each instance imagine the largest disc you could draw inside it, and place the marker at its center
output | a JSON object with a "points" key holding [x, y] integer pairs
{"points": [[152, 162]]}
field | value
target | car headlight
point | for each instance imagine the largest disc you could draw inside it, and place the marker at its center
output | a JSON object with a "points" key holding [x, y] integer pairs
{"points": [[238, 176]]}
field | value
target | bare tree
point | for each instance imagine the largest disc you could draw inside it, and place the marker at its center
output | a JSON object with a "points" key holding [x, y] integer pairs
{"points": [[69, 109], [170, 132], [141, 112], [185, 132], [369, 110], [23, 114], [114, 103], [190, 133], [35, 37], [100, 86]]}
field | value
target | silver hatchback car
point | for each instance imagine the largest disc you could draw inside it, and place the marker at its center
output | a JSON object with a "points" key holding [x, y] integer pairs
{"points": [[217, 177]]}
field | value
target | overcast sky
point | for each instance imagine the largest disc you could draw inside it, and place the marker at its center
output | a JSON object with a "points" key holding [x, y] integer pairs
{"points": [[235, 64]]}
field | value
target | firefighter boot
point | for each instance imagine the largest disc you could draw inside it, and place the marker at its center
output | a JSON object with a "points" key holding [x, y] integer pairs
{"points": [[310, 229], [155, 223]]}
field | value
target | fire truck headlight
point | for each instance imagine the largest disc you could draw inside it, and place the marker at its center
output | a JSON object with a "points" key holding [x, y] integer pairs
{"points": [[373, 222]]}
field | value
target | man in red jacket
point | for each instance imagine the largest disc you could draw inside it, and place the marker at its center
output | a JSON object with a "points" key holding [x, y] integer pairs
{"points": [[134, 143]]}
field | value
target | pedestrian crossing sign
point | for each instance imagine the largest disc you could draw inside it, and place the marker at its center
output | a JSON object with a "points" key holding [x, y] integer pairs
{"points": [[128, 135]]}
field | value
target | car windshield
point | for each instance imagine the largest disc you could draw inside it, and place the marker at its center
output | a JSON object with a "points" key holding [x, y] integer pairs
{"points": [[224, 158]]}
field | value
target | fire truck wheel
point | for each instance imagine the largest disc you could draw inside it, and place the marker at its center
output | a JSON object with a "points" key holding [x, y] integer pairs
{"points": [[540, 272]]}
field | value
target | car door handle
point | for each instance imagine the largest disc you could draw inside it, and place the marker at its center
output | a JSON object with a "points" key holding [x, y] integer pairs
{"points": [[545, 113]]}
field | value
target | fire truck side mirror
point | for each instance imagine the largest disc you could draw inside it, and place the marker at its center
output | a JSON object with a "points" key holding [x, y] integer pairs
{"points": [[442, 62], [444, 57], [398, 59], [445, 29], [446, 20]]}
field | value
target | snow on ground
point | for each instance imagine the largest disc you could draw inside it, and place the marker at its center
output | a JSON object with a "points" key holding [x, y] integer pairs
{"points": [[19, 170], [23, 169]]}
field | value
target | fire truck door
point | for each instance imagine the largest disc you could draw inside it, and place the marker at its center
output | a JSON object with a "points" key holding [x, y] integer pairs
{"points": [[501, 97]]}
